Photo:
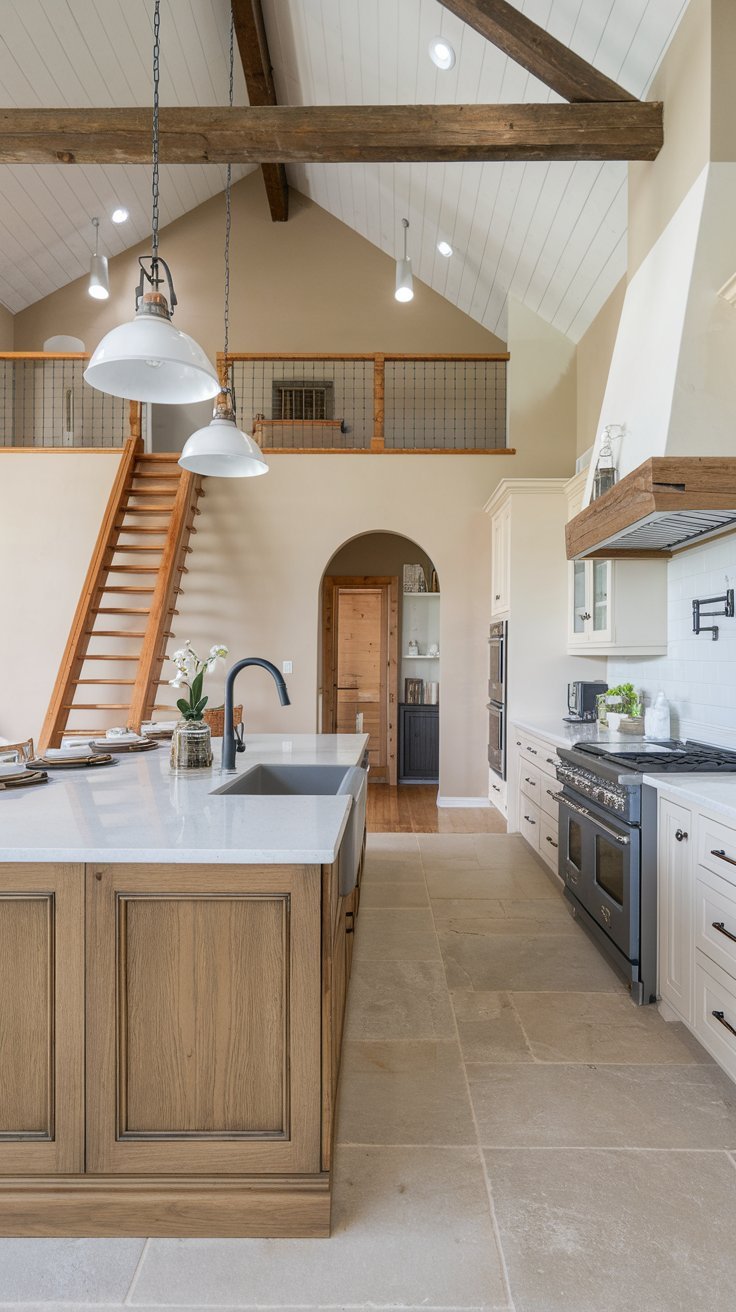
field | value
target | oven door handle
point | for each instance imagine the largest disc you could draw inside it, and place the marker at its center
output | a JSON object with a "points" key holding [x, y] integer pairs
{"points": [[623, 839]]}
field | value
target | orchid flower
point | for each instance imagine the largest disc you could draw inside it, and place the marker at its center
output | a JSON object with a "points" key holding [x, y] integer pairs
{"points": [[190, 671]]}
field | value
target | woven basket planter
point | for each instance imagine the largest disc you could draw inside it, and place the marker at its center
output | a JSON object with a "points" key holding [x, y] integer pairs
{"points": [[215, 717]]}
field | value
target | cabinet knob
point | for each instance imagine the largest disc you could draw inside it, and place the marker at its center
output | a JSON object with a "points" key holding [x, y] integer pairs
{"points": [[680, 835], [497, 597]]}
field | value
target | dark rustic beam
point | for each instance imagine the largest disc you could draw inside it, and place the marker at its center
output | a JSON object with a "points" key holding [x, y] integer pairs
{"points": [[334, 133], [537, 51], [250, 32]]}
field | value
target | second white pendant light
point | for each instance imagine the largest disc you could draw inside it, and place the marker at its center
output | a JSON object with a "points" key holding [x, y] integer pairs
{"points": [[148, 359], [99, 281], [221, 449], [404, 281]]}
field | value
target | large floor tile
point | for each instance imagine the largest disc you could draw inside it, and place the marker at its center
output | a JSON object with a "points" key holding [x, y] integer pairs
{"points": [[518, 961], [464, 883], [551, 1106], [601, 1027], [504, 916], [393, 869], [411, 1227], [71, 1271], [404, 1093], [397, 934], [399, 1000], [375, 893], [392, 843], [604, 1231], [489, 1028], [454, 846]]}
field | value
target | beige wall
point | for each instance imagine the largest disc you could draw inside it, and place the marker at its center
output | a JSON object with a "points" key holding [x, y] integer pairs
{"points": [[52, 507], [311, 284], [541, 384], [7, 328], [594, 353]]}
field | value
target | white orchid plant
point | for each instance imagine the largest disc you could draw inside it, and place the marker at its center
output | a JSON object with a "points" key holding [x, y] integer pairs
{"points": [[190, 672]]}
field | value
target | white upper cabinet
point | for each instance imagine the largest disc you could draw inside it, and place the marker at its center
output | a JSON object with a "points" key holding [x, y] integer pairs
{"points": [[501, 561], [615, 607]]}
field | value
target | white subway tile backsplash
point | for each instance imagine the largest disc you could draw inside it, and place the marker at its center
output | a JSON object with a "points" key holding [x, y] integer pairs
{"points": [[698, 676]]}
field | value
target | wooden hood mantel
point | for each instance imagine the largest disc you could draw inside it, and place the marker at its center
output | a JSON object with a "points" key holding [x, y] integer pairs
{"points": [[668, 502]]}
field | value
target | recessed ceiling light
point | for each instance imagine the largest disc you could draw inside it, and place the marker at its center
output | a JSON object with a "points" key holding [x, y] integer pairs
{"points": [[441, 53], [444, 248], [119, 215]]}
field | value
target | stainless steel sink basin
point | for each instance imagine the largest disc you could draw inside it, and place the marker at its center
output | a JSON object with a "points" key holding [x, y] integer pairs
{"points": [[286, 780]]}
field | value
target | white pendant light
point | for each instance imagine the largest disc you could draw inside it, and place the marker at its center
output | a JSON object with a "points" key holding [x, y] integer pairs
{"points": [[99, 281], [404, 282], [222, 450], [148, 359]]}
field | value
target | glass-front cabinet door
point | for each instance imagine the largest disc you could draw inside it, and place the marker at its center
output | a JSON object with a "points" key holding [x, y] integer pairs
{"points": [[601, 593], [578, 597]]}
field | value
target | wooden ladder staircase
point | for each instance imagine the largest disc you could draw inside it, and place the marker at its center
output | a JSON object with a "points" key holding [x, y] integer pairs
{"points": [[124, 614]]}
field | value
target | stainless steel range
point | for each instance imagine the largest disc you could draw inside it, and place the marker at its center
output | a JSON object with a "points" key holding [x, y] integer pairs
{"points": [[608, 843]]}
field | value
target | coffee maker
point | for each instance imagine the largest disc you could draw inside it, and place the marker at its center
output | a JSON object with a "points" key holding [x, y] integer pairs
{"points": [[581, 701]]}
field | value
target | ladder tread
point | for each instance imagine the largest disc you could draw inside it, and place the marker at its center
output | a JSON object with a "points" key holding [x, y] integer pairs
{"points": [[112, 683]]}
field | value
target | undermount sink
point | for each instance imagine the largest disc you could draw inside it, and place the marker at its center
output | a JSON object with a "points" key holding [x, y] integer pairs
{"points": [[313, 781], [287, 780]]}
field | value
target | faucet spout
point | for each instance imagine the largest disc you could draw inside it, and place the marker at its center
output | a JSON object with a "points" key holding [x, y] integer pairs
{"points": [[230, 741]]}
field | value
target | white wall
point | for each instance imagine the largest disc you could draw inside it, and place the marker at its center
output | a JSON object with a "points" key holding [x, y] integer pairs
{"points": [[698, 676]]}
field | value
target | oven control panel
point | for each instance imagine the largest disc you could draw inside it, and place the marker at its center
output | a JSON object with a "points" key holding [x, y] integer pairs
{"points": [[613, 796]]}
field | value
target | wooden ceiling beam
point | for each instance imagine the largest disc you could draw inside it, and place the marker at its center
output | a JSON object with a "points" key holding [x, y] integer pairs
{"points": [[630, 130], [536, 50], [250, 32]]}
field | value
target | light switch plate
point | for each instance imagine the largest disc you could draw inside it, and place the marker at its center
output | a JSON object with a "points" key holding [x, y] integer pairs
{"points": [[287, 667]]}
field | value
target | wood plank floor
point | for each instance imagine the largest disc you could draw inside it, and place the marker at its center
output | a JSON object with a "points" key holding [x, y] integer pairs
{"points": [[412, 809]]}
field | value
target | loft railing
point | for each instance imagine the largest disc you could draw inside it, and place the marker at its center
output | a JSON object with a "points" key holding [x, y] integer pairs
{"points": [[382, 403], [45, 402]]}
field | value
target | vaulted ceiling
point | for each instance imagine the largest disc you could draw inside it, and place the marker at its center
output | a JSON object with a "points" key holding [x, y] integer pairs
{"points": [[551, 234]]}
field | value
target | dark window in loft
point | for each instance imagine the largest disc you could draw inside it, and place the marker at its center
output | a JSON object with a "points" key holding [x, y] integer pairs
{"points": [[300, 399]]}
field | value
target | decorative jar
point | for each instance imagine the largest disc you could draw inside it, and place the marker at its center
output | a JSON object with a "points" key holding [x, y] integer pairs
{"points": [[191, 746]]}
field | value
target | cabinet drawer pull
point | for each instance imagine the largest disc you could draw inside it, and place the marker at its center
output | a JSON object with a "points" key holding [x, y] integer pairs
{"points": [[350, 928], [533, 750], [495, 788], [550, 760], [719, 925], [531, 822], [716, 851], [529, 781], [681, 835], [720, 1017], [551, 841]]}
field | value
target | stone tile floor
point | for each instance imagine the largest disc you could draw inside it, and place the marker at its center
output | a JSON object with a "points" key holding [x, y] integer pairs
{"points": [[513, 1133]]}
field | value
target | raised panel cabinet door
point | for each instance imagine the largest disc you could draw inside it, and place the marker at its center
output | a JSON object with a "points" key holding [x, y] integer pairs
{"points": [[676, 922], [41, 1019], [204, 989]]}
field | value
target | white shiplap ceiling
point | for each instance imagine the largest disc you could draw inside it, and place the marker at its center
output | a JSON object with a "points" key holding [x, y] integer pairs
{"points": [[98, 53], [553, 235]]}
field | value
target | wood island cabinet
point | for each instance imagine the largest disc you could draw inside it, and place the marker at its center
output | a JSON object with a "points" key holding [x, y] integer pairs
{"points": [[170, 1042]]}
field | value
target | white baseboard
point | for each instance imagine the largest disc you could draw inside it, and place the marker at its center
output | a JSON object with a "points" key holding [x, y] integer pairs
{"points": [[463, 801]]}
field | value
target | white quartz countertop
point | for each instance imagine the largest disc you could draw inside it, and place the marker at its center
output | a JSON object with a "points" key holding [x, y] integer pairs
{"points": [[707, 792], [555, 730], [138, 811]]}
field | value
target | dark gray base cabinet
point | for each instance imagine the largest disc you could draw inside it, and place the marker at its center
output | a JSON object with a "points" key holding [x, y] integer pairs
{"points": [[419, 744]]}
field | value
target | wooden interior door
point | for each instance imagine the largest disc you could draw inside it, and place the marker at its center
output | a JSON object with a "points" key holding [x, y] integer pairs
{"points": [[360, 665]]}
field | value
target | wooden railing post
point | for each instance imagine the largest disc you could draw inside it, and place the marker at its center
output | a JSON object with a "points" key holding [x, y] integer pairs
{"points": [[135, 420], [378, 442]]}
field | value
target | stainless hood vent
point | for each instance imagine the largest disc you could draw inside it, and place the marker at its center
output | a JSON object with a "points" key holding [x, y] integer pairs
{"points": [[664, 504]]}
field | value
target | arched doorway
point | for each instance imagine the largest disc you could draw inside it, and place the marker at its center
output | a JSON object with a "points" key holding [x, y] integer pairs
{"points": [[380, 656]]}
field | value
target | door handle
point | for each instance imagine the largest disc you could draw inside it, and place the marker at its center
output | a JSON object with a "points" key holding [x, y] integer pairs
{"points": [[623, 839]]}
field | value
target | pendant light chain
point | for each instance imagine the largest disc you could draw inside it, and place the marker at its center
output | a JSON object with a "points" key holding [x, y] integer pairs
{"points": [[154, 150], [228, 211]]}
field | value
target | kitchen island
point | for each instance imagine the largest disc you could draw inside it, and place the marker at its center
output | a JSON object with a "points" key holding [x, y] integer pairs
{"points": [[173, 974]]}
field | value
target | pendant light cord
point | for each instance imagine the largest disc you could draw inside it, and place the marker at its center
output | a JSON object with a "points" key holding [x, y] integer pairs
{"points": [[228, 221], [406, 230], [154, 148]]}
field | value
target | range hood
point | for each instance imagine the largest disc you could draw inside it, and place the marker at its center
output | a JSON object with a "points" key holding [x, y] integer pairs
{"points": [[668, 502]]}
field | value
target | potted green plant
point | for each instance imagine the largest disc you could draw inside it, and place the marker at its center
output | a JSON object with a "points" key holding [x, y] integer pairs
{"points": [[623, 709], [191, 743]]}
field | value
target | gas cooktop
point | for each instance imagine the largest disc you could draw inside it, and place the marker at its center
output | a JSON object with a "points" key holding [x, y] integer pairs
{"points": [[667, 757]]}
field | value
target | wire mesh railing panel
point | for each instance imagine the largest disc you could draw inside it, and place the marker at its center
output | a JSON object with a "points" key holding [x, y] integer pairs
{"points": [[445, 405], [305, 403], [46, 402]]}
